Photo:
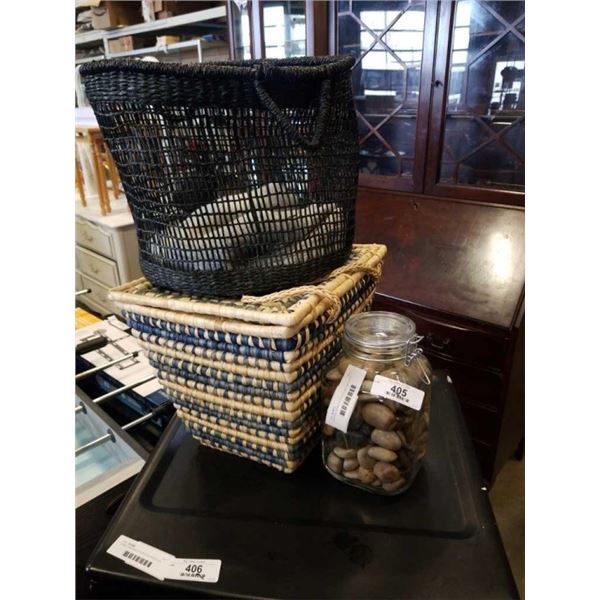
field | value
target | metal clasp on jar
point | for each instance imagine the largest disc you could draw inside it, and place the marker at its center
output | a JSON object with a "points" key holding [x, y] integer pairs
{"points": [[413, 351]]}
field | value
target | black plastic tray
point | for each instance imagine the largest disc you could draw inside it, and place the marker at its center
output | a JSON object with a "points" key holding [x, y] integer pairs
{"points": [[307, 535]]}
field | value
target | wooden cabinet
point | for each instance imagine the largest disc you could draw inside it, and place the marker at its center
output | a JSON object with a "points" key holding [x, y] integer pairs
{"points": [[106, 253], [439, 87], [457, 270], [440, 95]]}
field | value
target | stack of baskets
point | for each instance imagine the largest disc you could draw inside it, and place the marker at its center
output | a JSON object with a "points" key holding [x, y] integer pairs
{"points": [[245, 377]]}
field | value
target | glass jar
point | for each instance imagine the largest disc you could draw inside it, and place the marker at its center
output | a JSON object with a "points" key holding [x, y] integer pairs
{"points": [[377, 398]]}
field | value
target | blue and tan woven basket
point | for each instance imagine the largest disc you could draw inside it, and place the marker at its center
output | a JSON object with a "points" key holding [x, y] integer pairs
{"points": [[245, 375]]}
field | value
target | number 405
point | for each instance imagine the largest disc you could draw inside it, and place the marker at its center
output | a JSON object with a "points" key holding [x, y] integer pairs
{"points": [[398, 391]]}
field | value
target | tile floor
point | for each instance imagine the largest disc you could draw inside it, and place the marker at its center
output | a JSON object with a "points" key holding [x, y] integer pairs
{"points": [[508, 502]]}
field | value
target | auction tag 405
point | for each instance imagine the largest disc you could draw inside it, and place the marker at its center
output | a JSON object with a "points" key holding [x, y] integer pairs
{"points": [[397, 391]]}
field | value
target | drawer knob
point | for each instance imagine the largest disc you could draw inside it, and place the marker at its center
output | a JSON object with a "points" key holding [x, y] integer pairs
{"points": [[88, 237], [436, 342], [94, 269]]}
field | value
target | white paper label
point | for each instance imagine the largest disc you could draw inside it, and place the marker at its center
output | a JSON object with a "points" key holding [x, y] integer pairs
{"points": [[141, 556], [344, 398], [163, 565], [398, 392], [193, 569]]}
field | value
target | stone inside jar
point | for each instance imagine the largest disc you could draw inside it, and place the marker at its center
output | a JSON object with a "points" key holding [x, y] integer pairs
{"points": [[386, 441]]}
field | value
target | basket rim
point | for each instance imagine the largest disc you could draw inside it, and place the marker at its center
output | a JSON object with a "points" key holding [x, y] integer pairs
{"points": [[141, 296], [292, 68]]}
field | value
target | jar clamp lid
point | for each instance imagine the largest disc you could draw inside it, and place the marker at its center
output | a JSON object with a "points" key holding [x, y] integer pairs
{"points": [[379, 335]]}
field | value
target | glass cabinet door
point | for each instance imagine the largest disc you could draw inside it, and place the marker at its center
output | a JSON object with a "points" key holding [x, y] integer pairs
{"points": [[283, 28], [272, 28], [240, 30], [481, 142], [386, 37]]}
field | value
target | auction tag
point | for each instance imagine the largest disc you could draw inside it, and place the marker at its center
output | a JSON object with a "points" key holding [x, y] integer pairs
{"points": [[344, 398], [193, 569], [398, 392], [141, 556], [163, 565]]}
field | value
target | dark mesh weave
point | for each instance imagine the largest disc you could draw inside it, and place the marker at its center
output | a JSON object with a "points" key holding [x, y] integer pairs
{"points": [[241, 176]]}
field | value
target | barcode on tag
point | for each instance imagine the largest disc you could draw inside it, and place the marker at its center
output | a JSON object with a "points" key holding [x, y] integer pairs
{"points": [[139, 555], [347, 400], [136, 558], [344, 398]]}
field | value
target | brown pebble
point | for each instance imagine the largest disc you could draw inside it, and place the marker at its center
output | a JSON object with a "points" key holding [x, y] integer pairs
{"points": [[406, 411], [376, 483], [333, 375], [355, 420], [392, 405], [422, 441], [328, 430], [379, 416], [408, 374], [364, 460], [350, 464], [365, 387], [382, 454], [404, 461], [351, 440], [401, 435], [343, 364], [414, 430], [351, 474], [386, 472], [334, 463], [345, 452], [365, 475], [386, 439], [394, 485]]}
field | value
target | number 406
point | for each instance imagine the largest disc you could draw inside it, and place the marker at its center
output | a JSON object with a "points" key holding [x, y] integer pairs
{"points": [[194, 568]]}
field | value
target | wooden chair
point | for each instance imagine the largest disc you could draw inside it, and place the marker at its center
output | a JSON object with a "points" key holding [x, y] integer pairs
{"points": [[104, 167]]}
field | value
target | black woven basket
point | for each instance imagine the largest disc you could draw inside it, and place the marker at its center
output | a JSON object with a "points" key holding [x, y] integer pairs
{"points": [[241, 176]]}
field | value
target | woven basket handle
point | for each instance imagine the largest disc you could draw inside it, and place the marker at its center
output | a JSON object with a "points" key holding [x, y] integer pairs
{"points": [[324, 105]]}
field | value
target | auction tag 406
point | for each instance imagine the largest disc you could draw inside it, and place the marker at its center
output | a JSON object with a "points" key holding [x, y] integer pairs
{"points": [[397, 391], [191, 569]]}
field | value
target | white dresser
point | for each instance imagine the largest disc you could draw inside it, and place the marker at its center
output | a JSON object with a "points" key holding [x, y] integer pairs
{"points": [[106, 252]]}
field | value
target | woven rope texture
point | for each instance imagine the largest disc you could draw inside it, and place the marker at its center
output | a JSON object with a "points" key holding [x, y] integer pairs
{"points": [[241, 176]]}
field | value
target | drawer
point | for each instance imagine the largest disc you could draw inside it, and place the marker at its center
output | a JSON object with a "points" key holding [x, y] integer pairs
{"points": [[483, 424], [98, 296], [92, 237], [473, 385], [451, 340], [101, 269], [78, 281]]}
